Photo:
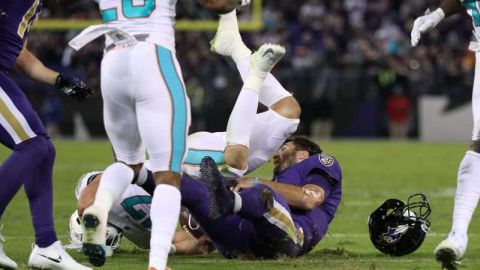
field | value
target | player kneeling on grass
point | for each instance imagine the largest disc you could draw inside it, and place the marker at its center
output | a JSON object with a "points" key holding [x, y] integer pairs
{"points": [[129, 218]]}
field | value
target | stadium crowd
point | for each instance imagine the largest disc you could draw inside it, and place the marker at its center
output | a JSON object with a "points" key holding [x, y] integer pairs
{"points": [[349, 63]]}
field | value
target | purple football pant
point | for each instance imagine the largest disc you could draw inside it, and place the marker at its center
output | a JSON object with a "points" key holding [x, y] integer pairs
{"points": [[262, 229], [31, 160]]}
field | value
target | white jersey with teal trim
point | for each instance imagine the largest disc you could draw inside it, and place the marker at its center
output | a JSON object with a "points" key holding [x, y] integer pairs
{"points": [[153, 17], [131, 212]]}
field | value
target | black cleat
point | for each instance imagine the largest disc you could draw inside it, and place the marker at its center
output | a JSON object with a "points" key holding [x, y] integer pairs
{"points": [[95, 253], [221, 198], [446, 257]]}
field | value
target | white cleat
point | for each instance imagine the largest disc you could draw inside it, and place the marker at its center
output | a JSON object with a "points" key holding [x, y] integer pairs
{"points": [[263, 60], [94, 225], [227, 38], [448, 254], [53, 257], [5, 261]]}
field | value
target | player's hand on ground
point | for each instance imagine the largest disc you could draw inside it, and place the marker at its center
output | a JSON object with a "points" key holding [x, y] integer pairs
{"points": [[425, 23], [194, 246], [242, 183], [73, 87]]}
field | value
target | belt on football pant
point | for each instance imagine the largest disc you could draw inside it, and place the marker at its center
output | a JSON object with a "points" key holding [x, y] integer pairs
{"points": [[138, 37]]}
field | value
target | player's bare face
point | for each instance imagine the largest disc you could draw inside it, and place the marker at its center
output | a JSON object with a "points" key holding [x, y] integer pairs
{"points": [[284, 157]]}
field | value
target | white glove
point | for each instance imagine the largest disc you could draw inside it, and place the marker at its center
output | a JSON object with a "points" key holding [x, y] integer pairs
{"points": [[426, 23], [244, 2]]}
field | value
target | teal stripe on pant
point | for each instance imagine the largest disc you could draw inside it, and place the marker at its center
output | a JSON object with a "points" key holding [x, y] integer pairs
{"points": [[179, 105], [195, 156]]}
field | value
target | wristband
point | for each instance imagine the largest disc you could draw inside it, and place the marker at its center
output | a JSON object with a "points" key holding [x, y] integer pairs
{"points": [[255, 181]]}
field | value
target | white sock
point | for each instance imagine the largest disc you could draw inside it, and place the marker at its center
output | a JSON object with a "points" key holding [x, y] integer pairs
{"points": [[466, 197], [237, 206], [242, 118], [114, 182], [271, 92], [164, 212]]}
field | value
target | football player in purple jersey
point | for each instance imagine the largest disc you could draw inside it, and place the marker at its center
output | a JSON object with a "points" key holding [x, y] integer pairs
{"points": [[262, 218], [33, 154]]}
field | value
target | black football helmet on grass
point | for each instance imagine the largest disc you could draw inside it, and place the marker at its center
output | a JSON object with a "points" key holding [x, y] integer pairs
{"points": [[397, 228]]}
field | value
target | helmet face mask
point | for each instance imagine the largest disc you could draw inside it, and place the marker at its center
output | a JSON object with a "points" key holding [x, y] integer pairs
{"points": [[397, 228]]}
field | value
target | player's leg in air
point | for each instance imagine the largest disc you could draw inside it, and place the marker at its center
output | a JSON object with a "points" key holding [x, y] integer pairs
{"points": [[155, 116], [245, 127], [451, 250]]}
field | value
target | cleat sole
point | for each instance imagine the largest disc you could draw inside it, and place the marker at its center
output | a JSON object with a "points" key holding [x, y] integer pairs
{"points": [[446, 257], [95, 253]]}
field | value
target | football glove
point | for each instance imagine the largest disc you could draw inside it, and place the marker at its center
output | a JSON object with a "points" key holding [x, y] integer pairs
{"points": [[426, 23], [73, 87]]}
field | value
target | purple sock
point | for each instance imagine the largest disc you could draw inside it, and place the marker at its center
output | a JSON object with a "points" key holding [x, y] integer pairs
{"points": [[255, 202], [20, 164], [39, 192]]}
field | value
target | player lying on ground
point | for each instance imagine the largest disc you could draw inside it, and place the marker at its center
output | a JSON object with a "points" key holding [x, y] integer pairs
{"points": [[451, 250], [31, 162], [285, 216], [262, 218], [129, 217]]}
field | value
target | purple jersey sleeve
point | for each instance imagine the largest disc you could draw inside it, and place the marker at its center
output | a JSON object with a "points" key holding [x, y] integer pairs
{"points": [[321, 181]]}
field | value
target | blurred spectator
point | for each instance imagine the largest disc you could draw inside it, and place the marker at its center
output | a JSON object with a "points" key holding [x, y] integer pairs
{"points": [[398, 111], [342, 56]]}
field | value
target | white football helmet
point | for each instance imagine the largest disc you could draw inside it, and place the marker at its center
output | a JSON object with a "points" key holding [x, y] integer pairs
{"points": [[75, 235]]}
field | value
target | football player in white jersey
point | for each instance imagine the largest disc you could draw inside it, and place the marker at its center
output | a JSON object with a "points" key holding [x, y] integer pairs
{"points": [[145, 109], [130, 218], [451, 250], [250, 138]]}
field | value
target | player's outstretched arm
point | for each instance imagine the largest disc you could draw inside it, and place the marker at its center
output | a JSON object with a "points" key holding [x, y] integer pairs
{"points": [[223, 6], [307, 197], [32, 67], [430, 20]]}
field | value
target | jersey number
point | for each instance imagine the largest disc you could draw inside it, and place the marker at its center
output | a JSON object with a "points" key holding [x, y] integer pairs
{"points": [[26, 20], [138, 215], [129, 10], [474, 10]]}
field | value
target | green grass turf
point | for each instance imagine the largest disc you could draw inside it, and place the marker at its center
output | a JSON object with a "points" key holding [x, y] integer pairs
{"points": [[373, 172]]}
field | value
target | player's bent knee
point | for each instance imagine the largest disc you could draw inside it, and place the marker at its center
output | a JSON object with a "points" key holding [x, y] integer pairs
{"points": [[37, 146], [287, 107], [236, 156]]}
